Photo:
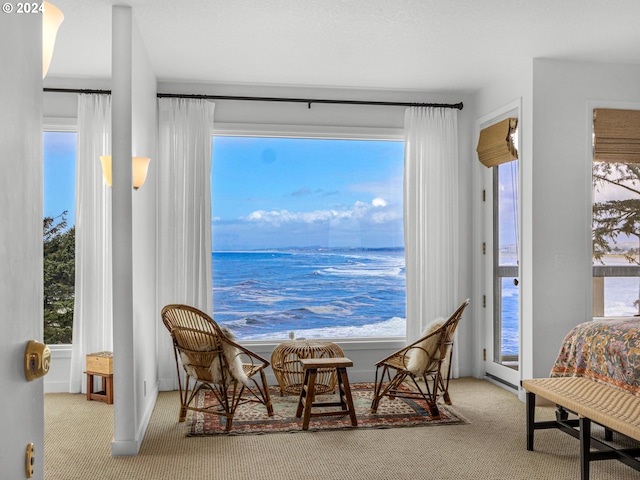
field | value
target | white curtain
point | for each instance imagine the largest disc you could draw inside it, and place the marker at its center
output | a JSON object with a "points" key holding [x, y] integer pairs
{"points": [[92, 315], [430, 215], [184, 216]]}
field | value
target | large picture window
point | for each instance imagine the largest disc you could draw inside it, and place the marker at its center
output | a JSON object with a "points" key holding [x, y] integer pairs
{"points": [[308, 237]]}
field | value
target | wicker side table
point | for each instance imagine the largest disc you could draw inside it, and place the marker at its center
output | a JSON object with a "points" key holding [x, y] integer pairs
{"points": [[288, 370]]}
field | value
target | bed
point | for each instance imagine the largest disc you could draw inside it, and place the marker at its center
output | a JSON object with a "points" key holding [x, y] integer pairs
{"points": [[606, 350]]}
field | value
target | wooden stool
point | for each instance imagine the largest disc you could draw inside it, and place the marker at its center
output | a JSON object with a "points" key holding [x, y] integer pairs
{"points": [[105, 395], [307, 395], [100, 364]]}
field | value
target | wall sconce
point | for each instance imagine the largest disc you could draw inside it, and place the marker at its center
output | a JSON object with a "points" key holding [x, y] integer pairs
{"points": [[52, 18], [140, 165]]}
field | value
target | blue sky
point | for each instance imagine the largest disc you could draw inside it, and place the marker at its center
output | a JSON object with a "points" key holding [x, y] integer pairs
{"points": [[278, 192], [285, 192], [508, 195], [60, 174]]}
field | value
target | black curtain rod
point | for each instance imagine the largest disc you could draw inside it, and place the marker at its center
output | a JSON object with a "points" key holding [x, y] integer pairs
{"points": [[309, 102], [76, 90]]}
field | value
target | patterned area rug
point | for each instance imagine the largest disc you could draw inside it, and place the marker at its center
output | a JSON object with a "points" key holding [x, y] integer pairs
{"points": [[251, 418]]}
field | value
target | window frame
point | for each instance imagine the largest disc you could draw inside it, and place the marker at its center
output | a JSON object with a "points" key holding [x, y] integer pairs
{"points": [[59, 124], [329, 133], [487, 287], [600, 271]]}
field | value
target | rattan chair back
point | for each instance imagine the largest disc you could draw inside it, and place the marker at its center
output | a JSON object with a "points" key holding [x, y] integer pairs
{"points": [[213, 361], [392, 370]]}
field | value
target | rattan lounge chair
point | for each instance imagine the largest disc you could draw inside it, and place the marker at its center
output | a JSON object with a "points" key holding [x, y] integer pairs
{"points": [[213, 361], [436, 347]]}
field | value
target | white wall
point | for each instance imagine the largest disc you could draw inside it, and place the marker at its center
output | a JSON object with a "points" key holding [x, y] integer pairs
{"points": [[557, 99], [22, 420], [564, 94], [146, 320], [134, 121]]}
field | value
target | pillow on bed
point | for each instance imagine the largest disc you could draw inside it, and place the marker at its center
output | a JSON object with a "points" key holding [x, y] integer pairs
{"points": [[420, 356]]}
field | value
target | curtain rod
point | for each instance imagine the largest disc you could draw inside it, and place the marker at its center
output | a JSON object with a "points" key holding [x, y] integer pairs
{"points": [[311, 101], [76, 90], [459, 106]]}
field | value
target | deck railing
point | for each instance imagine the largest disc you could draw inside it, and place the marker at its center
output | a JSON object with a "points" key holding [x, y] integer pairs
{"points": [[600, 272]]}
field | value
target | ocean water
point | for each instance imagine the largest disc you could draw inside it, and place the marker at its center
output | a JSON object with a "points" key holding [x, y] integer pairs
{"points": [[510, 324], [343, 293], [620, 293], [314, 293]]}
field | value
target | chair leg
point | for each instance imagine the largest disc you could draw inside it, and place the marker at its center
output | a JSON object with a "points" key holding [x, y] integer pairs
{"points": [[389, 391], [376, 393], [184, 402], [433, 411], [267, 397], [183, 413], [444, 388], [229, 421]]}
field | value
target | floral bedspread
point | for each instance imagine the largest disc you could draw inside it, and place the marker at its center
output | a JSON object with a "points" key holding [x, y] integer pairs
{"points": [[605, 350]]}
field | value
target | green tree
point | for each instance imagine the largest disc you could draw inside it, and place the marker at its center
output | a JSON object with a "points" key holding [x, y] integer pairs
{"points": [[614, 219], [59, 279]]}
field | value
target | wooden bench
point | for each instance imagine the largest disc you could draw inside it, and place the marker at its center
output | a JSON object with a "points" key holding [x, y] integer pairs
{"points": [[612, 408]]}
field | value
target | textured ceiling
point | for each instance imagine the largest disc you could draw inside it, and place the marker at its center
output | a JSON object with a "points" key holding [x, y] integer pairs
{"points": [[426, 45]]}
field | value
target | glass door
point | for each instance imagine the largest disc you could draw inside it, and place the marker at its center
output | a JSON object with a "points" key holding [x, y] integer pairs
{"points": [[502, 352]]}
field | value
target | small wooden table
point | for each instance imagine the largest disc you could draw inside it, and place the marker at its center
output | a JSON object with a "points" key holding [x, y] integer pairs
{"points": [[100, 364], [308, 393]]}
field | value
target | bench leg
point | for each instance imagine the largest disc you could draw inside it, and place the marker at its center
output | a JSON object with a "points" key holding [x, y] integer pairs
{"points": [[608, 434], [531, 417], [585, 447], [561, 414]]}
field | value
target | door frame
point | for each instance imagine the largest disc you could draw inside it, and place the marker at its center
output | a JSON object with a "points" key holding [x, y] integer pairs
{"points": [[494, 371]]}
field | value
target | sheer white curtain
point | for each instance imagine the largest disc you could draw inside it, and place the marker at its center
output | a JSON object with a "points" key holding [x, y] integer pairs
{"points": [[430, 215], [92, 315], [184, 216]]}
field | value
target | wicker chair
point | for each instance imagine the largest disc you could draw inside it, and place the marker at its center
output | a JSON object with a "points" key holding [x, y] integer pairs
{"points": [[393, 370], [213, 361]]}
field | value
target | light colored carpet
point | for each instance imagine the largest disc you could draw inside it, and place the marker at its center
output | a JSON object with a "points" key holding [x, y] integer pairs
{"points": [[491, 446]]}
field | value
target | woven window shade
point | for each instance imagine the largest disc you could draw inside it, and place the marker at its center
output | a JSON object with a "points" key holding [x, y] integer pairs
{"points": [[495, 145], [616, 135]]}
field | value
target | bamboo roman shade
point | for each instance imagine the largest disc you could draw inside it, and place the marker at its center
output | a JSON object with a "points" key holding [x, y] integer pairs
{"points": [[495, 145], [616, 135]]}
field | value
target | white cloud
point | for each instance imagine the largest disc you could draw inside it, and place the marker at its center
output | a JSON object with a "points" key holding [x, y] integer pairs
{"points": [[378, 211]]}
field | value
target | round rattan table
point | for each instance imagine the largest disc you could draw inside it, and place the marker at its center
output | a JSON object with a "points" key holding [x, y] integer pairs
{"points": [[288, 370]]}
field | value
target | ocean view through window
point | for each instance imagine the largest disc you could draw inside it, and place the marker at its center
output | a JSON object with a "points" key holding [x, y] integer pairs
{"points": [[307, 237]]}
